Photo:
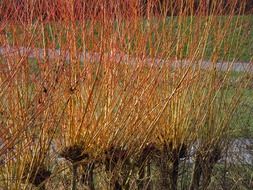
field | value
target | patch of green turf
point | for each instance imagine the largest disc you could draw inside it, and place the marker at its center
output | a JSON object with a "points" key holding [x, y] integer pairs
{"points": [[236, 43], [242, 122]]}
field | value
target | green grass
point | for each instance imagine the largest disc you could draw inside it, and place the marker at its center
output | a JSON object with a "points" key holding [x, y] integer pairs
{"points": [[236, 44], [242, 122]]}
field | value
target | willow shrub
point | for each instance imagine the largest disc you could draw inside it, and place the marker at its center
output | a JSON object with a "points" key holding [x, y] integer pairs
{"points": [[137, 99]]}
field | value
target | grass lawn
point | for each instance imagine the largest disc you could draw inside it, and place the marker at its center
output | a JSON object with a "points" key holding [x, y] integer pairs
{"points": [[236, 42], [243, 120]]}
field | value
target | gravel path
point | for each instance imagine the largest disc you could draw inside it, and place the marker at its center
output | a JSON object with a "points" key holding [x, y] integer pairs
{"points": [[240, 151], [39, 53]]}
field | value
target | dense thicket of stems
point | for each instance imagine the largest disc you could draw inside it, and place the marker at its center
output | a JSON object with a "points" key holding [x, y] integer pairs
{"points": [[131, 94]]}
